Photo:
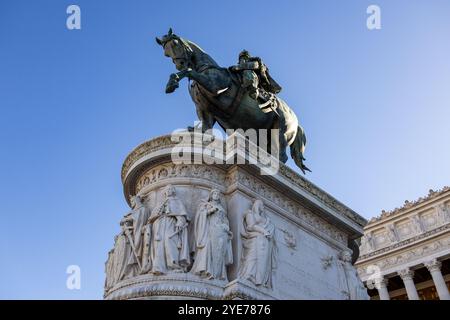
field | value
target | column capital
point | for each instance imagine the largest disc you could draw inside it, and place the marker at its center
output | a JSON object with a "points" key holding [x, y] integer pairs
{"points": [[382, 282], [433, 265], [406, 274], [381, 285]]}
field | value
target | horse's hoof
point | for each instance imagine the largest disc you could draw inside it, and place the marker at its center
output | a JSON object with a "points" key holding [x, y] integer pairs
{"points": [[170, 89]]}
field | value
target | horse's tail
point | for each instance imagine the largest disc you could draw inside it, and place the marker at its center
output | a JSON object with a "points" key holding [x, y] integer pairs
{"points": [[297, 149]]}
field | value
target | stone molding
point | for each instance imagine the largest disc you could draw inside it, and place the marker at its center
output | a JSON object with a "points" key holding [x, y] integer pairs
{"points": [[409, 205], [404, 243], [158, 189], [415, 255], [165, 142], [176, 285], [189, 286]]}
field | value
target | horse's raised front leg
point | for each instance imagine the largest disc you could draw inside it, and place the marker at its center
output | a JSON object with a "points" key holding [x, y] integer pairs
{"points": [[214, 85], [172, 84]]}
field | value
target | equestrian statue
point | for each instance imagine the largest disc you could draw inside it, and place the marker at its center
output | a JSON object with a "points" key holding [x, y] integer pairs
{"points": [[242, 96]]}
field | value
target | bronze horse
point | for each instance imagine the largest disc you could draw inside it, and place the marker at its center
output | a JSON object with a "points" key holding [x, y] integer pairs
{"points": [[219, 97]]}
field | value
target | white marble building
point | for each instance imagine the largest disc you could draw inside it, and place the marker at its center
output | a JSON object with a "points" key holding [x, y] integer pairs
{"points": [[226, 231], [405, 253]]}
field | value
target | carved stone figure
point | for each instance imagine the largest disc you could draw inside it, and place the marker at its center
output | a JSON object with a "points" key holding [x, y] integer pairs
{"points": [[169, 248], [443, 213], [147, 240], [213, 250], [109, 270], [122, 261], [356, 289], [367, 243], [220, 97], [258, 257], [392, 233], [138, 217], [417, 224]]}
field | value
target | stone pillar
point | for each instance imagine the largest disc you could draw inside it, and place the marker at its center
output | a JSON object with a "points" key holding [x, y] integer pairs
{"points": [[382, 289], [407, 277], [434, 266]]}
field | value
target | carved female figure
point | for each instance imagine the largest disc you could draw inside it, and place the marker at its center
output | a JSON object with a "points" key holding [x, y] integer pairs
{"points": [[366, 243], [353, 284], [169, 249], [139, 217], [392, 233], [212, 239], [258, 257]]}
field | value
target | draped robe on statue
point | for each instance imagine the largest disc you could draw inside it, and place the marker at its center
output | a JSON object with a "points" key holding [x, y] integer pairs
{"points": [[109, 270], [212, 241], [139, 217], [350, 280], [125, 263], [258, 257], [169, 249]]}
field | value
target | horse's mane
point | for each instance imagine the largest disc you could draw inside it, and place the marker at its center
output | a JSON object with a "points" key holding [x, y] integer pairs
{"points": [[202, 58]]}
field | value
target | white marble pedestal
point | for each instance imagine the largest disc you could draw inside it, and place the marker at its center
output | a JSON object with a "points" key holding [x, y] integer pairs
{"points": [[312, 229]]}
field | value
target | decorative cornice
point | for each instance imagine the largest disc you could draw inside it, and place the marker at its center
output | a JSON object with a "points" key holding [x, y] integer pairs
{"points": [[143, 149], [165, 142], [321, 195], [171, 170], [408, 205], [306, 217], [404, 243], [391, 262]]}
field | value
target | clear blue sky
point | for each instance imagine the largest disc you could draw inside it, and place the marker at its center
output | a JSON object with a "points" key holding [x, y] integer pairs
{"points": [[375, 106]]}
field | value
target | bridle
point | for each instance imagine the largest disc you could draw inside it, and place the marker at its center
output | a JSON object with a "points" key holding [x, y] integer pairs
{"points": [[187, 51]]}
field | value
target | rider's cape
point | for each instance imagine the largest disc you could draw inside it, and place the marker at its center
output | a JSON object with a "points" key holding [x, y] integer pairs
{"points": [[266, 81]]}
